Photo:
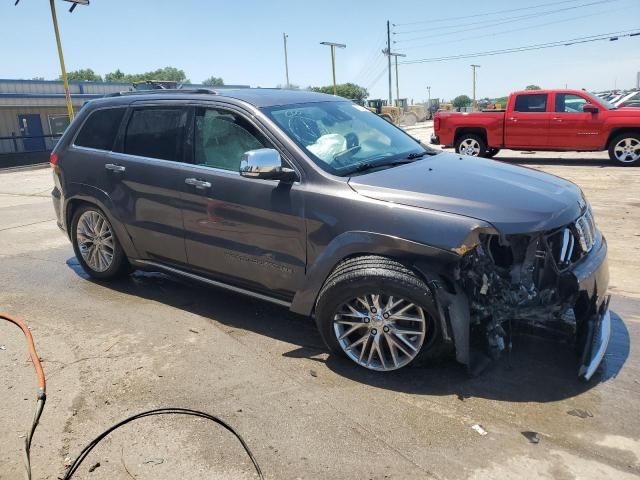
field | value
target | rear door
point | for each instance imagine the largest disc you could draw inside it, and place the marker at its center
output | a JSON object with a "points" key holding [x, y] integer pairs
{"points": [[573, 129], [246, 232], [527, 122], [145, 174]]}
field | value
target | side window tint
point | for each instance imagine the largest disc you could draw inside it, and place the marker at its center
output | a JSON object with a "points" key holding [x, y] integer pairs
{"points": [[568, 103], [156, 133], [100, 129], [531, 103], [221, 137]]}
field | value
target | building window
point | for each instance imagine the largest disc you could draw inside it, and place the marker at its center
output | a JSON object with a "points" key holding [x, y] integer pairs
{"points": [[58, 124]]}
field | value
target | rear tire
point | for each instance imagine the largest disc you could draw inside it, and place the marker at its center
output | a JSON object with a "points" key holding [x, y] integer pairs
{"points": [[409, 119], [379, 314], [624, 149], [387, 117], [472, 145], [96, 246]]}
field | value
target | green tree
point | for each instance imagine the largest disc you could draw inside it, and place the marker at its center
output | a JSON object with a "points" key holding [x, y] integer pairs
{"points": [[461, 101], [213, 81], [83, 75], [166, 73], [532, 87], [346, 90]]}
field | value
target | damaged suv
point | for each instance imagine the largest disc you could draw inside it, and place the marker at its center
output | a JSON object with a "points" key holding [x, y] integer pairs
{"points": [[309, 201]]}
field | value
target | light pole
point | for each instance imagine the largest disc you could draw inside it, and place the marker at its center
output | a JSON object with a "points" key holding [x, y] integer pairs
{"points": [[475, 104], [396, 55], [63, 70], [429, 101], [333, 60], [286, 60]]}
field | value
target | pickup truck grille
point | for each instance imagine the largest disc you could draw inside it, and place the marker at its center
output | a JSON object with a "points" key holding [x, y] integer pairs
{"points": [[574, 241]]}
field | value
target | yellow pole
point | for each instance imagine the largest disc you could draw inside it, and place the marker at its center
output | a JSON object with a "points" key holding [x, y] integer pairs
{"points": [[67, 94], [333, 67]]}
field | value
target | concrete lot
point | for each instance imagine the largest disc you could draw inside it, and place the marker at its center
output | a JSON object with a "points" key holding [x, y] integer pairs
{"points": [[112, 350]]}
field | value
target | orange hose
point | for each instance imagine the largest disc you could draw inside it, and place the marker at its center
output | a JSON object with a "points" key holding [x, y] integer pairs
{"points": [[32, 348]]}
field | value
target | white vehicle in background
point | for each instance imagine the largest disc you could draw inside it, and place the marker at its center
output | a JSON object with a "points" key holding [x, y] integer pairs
{"points": [[633, 96]]}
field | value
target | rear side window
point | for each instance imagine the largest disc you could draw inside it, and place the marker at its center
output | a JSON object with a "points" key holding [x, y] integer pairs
{"points": [[156, 133], [531, 103], [100, 129]]}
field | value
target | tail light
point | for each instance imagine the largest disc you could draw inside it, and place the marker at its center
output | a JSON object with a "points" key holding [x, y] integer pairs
{"points": [[54, 158], [436, 123]]}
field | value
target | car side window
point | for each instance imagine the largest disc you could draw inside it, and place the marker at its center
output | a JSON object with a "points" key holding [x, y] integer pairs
{"points": [[100, 129], [531, 103], [156, 133], [569, 103], [222, 137]]}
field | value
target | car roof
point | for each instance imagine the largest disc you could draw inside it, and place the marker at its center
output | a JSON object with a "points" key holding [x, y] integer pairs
{"points": [[257, 97], [559, 90]]}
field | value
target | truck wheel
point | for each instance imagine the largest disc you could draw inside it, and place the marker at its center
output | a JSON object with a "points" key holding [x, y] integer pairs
{"points": [[625, 149], [472, 145], [379, 314], [409, 119], [96, 246], [491, 152], [387, 117]]}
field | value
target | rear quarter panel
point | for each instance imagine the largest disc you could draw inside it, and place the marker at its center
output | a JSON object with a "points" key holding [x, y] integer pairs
{"points": [[491, 123]]}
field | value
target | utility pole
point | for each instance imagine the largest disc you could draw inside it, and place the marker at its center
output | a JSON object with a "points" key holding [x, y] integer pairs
{"points": [[429, 101], [475, 103], [389, 60], [65, 81], [333, 61], [396, 55], [286, 60]]}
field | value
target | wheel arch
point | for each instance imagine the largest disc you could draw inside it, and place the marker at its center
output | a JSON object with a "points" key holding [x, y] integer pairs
{"points": [[620, 131], [86, 195], [482, 132], [423, 259]]}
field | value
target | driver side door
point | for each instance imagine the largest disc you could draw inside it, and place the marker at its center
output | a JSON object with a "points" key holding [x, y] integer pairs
{"points": [[246, 232]]}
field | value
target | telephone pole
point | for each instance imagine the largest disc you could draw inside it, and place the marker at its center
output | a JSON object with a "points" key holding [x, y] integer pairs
{"points": [[396, 55], [475, 103], [286, 60], [333, 61], [389, 60], [429, 101]]}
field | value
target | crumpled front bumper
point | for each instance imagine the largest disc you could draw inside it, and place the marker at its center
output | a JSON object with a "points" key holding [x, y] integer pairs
{"points": [[592, 276]]}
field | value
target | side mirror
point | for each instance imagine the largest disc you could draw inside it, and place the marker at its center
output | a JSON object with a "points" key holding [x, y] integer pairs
{"points": [[590, 108], [265, 164]]}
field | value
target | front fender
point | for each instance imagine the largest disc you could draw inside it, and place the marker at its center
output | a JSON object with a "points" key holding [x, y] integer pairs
{"points": [[349, 244]]}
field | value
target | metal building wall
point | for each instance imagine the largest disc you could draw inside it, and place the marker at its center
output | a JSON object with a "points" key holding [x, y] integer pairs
{"points": [[9, 125]]}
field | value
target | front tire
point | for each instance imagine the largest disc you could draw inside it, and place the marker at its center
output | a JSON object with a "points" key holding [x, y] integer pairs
{"points": [[96, 246], [378, 313], [624, 149], [472, 145]]}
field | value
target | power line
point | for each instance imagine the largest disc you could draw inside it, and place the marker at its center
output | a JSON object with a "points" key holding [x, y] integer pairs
{"points": [[493, 34], [439, 20], [372, 56], [373, 68], [482, 24], [612, 36], [377, 78]]}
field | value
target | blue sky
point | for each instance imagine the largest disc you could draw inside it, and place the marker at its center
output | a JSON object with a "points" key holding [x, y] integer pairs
{"points": [[241, 41]]}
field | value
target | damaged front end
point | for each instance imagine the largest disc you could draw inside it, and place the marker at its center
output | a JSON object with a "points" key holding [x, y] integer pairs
{"points": [[555, 280]]}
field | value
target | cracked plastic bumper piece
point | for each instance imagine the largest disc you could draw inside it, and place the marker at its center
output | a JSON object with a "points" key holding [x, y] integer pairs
{"points": [[599, 344]]}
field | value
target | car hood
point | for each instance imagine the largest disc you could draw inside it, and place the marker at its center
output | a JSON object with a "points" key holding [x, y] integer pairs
{"points": [[513, 199]]}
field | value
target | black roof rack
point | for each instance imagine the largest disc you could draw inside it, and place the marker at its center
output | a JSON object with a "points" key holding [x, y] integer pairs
{"points": [[164, 91]]}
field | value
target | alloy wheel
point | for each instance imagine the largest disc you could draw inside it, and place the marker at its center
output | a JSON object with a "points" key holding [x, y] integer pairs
{"points": [[470, 146], [95, 240], [627, 150], [380, 332]]}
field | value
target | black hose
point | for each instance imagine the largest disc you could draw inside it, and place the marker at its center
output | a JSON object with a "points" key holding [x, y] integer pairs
{"points": [[160, 411]]}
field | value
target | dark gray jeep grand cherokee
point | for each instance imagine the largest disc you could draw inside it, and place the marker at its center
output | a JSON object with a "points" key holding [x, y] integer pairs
{"points": [[317, 204]]}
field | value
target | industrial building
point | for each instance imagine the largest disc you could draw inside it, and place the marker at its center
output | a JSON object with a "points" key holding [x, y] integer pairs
{"points": [[33, 115]]}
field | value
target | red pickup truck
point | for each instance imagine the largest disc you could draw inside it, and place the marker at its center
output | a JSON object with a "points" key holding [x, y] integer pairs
{"points": [[556, 120]]}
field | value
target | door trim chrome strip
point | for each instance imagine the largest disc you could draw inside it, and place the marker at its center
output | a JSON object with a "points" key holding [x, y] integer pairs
{"points": [[215, 283]]}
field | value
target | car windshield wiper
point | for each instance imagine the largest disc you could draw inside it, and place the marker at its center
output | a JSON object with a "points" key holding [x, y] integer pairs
{"points": [[361, 167], [414, 156]]}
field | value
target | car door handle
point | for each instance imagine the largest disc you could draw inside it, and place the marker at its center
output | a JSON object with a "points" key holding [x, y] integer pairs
{"points": [[513, 119], [199, 184], [557, 119], [115, 168]]}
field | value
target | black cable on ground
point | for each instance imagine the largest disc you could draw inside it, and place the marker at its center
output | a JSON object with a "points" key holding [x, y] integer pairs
{"points": [[160, 411], [35, 359]]}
